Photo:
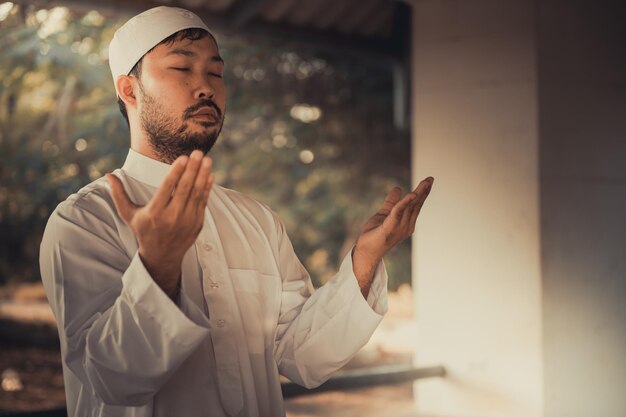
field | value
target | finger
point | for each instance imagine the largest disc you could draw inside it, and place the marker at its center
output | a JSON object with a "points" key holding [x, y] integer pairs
{"points": [[392, 198], [405, 221], [164, 192], [413, 220], [397, 212], [197, 193], [124, 206], [423, 189], [207, 190], [414, 204], [185, 185], [199, 213], [420, 202]]}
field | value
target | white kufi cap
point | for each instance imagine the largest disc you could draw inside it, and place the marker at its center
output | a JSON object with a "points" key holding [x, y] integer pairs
{"points": [[143, 32]]}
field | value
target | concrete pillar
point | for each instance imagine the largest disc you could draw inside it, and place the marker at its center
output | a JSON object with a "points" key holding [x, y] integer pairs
{"points": [[582, 101], [476, 251]]}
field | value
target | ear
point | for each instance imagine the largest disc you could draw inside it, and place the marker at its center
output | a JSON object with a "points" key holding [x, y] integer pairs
{"points": [[126, 90]]}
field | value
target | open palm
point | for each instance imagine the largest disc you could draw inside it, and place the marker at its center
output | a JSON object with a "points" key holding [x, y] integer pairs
{"points": [[394, 222]]}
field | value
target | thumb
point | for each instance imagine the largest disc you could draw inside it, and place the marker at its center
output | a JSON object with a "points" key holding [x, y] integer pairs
{"points": [[392, 199], [125, 208]]}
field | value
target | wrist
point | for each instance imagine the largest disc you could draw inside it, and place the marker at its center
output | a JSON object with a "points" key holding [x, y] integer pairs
{"points": [[364, 267], [166, 273], [164, 263], [365, 249], [364, 259]]}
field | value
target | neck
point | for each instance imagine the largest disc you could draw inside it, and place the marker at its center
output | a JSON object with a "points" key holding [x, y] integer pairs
{"points": [[139, 142]]}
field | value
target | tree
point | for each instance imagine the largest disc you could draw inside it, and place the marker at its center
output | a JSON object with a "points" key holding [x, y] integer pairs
{"points": [[308, 133]]}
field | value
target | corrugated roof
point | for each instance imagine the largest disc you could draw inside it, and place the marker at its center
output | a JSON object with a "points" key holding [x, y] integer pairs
{"points": [[357, 17], [377, 27]]}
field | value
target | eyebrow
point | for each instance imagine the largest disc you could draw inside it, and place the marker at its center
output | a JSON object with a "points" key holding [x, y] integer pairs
{"points": [[187, 52]]}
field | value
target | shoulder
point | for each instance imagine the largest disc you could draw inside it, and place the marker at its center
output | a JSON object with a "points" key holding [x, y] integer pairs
{"points": [[251, 206], [93, 200], [88, 212], [241, 199]]}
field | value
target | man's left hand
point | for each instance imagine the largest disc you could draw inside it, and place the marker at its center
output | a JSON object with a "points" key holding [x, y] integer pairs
{"points": [[394, 222]]}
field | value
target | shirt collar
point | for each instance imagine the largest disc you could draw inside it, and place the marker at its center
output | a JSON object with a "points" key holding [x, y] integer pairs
{"points": [[145, 169]]}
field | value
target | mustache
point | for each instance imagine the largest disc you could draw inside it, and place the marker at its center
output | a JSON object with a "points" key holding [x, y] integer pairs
{"points": [[202, 103]]}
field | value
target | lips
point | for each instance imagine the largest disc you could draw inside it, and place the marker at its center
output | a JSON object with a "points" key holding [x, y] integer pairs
{"points": [[206, 113]]}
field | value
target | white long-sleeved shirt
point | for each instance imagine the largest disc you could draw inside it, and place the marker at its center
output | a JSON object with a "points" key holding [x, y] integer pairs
{"points": [[247, 310]]}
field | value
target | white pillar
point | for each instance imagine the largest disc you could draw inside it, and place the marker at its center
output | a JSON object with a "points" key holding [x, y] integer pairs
{"points": [[476, 251], [582, 96]]}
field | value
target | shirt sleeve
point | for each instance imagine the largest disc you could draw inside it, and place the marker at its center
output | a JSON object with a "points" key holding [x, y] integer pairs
{"points": [[321, 330], [121, 335]]}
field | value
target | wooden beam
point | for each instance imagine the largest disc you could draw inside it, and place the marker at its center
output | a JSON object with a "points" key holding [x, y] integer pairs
{"points": [[243, 11], [276, 10], [375, 48], [401, 73], [337, 10], [384, 23], [368, 377], [308, 12], [356, 17]]}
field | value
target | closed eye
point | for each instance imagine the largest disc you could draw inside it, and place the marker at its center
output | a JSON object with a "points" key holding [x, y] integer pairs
{"points": [[215, 75], [181, 69]]}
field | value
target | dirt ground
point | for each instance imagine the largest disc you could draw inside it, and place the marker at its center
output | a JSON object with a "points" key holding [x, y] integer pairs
{"points": [[40, 374], [29, 353], [384, 401]]}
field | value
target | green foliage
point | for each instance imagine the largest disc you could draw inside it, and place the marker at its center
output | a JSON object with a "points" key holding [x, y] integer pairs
{"points": [[308, 133]]}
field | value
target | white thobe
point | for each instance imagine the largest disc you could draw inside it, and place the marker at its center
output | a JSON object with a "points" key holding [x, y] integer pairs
{"points": [[246, 312]]}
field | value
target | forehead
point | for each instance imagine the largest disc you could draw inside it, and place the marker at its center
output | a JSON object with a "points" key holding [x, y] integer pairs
{"points": [[204, 47]]}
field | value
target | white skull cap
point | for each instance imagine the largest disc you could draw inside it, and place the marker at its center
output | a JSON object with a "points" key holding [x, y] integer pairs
{"points": [[143, 32]]}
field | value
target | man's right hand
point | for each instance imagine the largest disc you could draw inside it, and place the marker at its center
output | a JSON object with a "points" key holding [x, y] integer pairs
{"points": [[171, 221]]}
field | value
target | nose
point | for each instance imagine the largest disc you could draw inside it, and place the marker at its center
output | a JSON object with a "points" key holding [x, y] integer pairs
{"points": [[204, 89], [205, 93]]}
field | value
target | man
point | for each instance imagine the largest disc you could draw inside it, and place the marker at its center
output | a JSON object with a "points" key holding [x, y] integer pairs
{"points": [[178, 297]]}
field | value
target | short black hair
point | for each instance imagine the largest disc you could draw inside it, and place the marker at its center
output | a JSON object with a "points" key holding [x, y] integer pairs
{"points": [[192, 34]]}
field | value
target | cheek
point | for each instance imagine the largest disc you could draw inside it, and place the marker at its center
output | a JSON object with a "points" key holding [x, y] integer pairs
{"points": [[170, 97], [220, 95], [166, 108], [169, 87]]}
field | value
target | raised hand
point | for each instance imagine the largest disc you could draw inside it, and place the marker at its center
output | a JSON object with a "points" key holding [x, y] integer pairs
{"points": [[394, 222], [170, 222]]}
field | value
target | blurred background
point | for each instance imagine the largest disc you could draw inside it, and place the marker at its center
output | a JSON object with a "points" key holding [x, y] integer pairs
{"points": [[309, 131], [515, 280]]}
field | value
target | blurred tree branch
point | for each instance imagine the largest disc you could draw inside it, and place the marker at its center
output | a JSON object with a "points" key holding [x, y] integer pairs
{"points": [[308, 133]]}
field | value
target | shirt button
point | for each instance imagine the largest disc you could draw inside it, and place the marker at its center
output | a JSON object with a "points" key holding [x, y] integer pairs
{"points": [[207, 247], [214, 285], [221, 323]]}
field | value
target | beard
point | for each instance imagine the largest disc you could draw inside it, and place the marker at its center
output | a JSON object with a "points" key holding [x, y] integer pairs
{"points": [[169, 138]]}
